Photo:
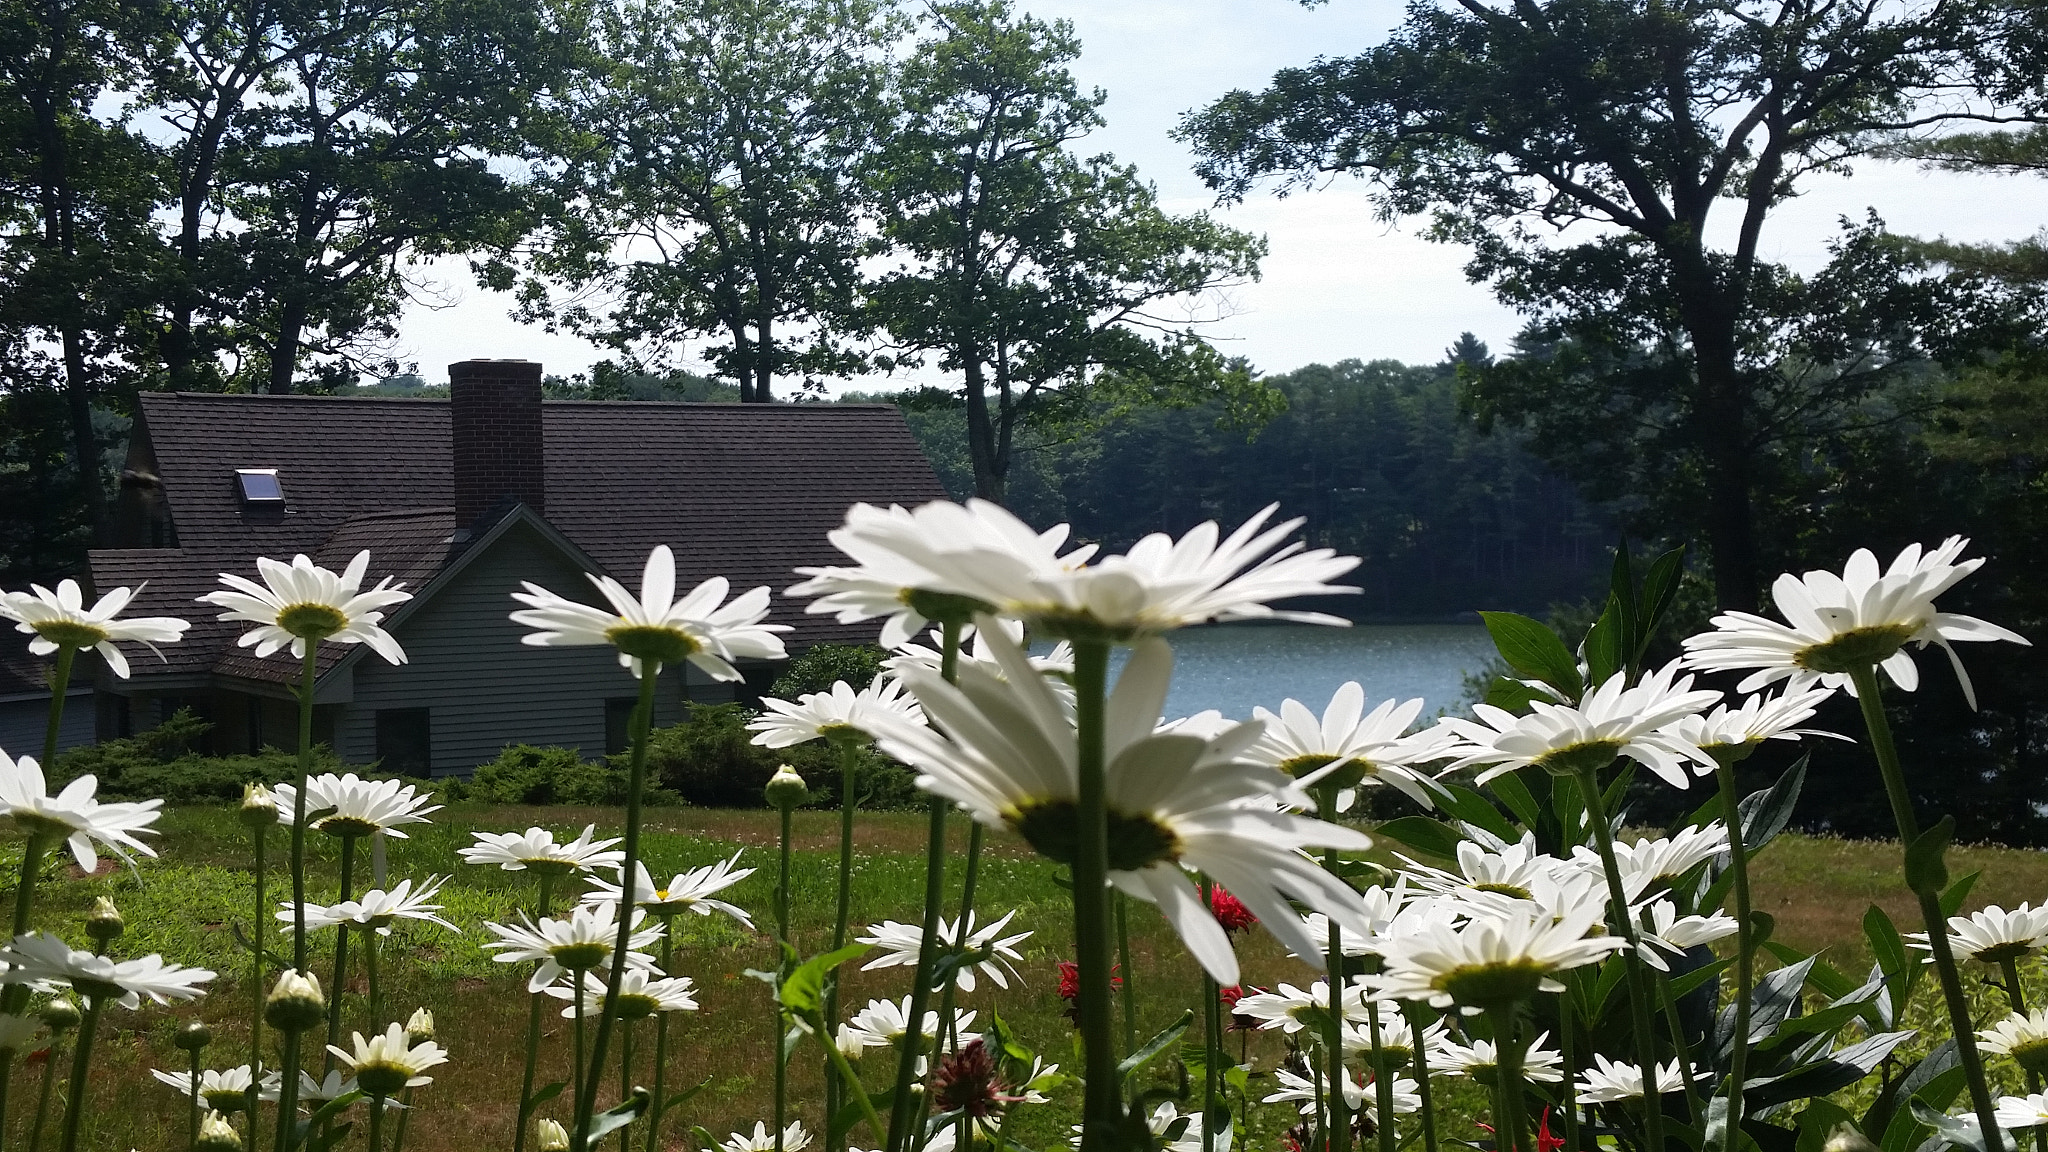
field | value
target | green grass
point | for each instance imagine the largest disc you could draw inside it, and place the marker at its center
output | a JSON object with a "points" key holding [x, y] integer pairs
{"points": [[185, 904]]}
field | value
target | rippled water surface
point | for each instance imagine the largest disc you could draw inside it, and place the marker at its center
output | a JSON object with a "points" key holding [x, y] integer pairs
{"points": [[1235, 668]]}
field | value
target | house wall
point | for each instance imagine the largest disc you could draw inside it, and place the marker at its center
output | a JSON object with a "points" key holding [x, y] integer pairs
{"points": [[485, 689], [23, 723]]}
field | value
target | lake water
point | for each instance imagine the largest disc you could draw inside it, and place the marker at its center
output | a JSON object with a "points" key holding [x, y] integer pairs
{"points": [[1234, 668]]}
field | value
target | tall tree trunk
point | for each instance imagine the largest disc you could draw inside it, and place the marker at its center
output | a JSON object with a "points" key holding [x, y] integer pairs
{"points": [[981, 432], [284, 352], [1723, 426], [60, 246]]}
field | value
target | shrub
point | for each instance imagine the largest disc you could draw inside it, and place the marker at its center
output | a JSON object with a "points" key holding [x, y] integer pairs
{"points": [[526, 774], [160, 763], [712, 762], [822, 664]]}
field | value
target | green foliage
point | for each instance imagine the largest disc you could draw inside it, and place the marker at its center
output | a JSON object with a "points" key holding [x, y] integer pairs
{"points": [[525, 774], [823, 664], [160, 763], [711, 761]]}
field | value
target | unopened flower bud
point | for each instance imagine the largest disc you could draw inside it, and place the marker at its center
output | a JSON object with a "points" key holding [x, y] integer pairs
{"points": [[104, 922], [193, 1037], [550, 1136], [1847, 1138], [60, 1015], [419, 1028], [786, 789], [217, 1135], [296, 1003], [259, 806]]}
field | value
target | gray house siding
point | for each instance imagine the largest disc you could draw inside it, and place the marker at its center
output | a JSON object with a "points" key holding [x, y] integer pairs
{"points": [[482, 688], [23, 722]]}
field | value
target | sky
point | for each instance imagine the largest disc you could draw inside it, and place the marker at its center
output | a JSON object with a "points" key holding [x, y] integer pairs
{"points": [[1339, 282]]}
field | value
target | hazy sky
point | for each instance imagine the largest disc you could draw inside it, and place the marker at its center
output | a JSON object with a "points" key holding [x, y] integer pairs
{"points": [[1338, 283]]}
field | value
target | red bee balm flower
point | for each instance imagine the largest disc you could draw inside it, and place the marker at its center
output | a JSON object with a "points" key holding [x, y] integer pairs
{"points": [[1070, 980], [969, 1082], [1230, 911]]}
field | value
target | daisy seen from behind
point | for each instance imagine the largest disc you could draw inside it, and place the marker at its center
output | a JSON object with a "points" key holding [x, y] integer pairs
{"points": [[39, 958], [1839, 624], [1348, 748], [377, 909], [536, 850], [60, 623], [657, 628], [837, 714], [72, 815], [583, 940], [1496, 959], [899, 944], [386, 1064], [1614, 720], [692, 891], [301, 604], [353, 806]]}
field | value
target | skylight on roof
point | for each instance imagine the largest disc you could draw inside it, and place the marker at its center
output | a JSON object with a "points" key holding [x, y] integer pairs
{"points": [[260, 485]]}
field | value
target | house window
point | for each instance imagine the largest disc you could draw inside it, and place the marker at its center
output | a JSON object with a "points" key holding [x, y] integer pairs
{"points": [[618, 724], [405, 741], [260, 486]]}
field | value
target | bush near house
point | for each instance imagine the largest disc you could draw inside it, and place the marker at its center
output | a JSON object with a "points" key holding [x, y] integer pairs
{"points": [[711, 761]]}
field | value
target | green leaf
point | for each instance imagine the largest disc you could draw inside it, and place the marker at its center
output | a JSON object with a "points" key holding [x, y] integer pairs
{"points": [[1660, 587], [804, 991], [333, 1108], [1430, 837], [683, 1097], [1886, 945], [322, 1141], [1533, 649], [1605, 645], [1160, 1043], [1685, 982], [1818, 1121], [612, 1119], [851, 1114], [1511, 695], [1765, 814], [1952, 899], [1514, 793], [1926, 871], [1621, 598], [546, 1093], [1469, 807]]}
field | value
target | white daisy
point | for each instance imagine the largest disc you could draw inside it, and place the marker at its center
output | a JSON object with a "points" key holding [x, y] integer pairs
{"points": [[1377, 905], [536, 850], [223, 1091], [355, 806], [60, 619], [1609, 1081], [1647, 863], [691, 891], [1495, 959], [1993, 935], [2030, 1111], [1178, 1133], [1479, 1058], [898, 571], [794, 1139], [641, 994], [1175, 801], [313, 1093], [900, 944], [1360, 1097], [377, 908], [302, 601], [1349, 748], [657, 626], [1661, 929], [384, 1065], [837, 714], [1291, 1009], [1397, 1035], [1860, 618], [884, 1023], [17, 1032], [44, 960], [578, 942], [1614, 720], [72, 815], [1057, 663], [2023, 1038], [1733, 733], [1513, 870]]}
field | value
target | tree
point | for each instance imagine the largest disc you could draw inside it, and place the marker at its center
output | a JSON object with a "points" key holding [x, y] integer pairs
{"points": [[1039, 277], [77, 246], [2022, 152], [1507, 123], [717, 198]]}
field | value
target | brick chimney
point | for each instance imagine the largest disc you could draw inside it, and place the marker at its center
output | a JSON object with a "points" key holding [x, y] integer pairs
{"points": [[496, 406]]}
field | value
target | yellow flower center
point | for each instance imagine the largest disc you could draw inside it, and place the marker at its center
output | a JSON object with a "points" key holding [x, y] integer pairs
{"points": [[1136, 842], [1856, 648], [663, 645], [71, 633], [311, 621]]}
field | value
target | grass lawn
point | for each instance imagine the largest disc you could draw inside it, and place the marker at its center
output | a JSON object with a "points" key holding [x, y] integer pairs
{"points": [[185, 903]]}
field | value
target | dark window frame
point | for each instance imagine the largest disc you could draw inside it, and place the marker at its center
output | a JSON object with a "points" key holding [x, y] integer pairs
{"points": [[405, 741]]}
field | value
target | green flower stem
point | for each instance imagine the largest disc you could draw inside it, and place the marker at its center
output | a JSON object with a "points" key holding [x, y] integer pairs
{"points": [[1568, 1091], [35, 1133], [259, 932], [636, 787], [783, 946], [1960, 1022], [1382, 1080], [376, 1123], [340, 981], [576, 1134], [1428, 1110], [654, 1109], [81, 1063], [370, 942], [625, 1076], [307, 676], [851, 1079], [1339, 1137], [404, 1117], [192, 1113], [14, 997], [546, 886], [2016, 999], [1513, 1119], [903, 1114], [1679, 1046], [1638, 993], [969, 873], [1745, 949], [288, 1092], [1102, 1106], [1123, 962], [1212, 1032], [849, 762], [60, 683]]}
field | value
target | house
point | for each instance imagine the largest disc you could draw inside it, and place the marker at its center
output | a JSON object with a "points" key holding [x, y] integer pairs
{"points": [[462, 499]]}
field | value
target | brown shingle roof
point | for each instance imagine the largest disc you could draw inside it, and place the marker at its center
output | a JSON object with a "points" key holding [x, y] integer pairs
{"points": [[743, 491]]}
